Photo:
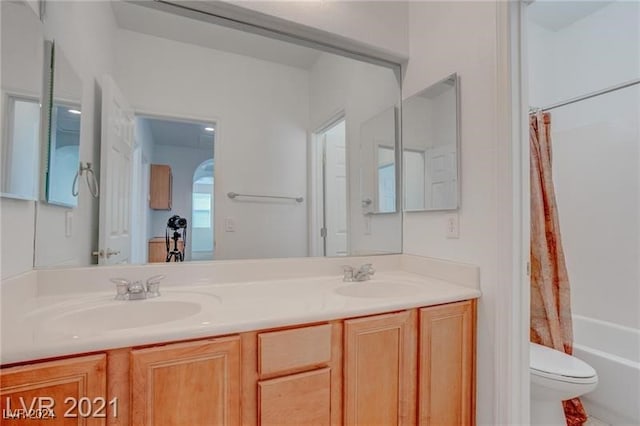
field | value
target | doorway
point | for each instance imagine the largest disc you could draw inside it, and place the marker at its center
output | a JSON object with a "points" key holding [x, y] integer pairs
{"points": [[331, 186], [186, 149]]}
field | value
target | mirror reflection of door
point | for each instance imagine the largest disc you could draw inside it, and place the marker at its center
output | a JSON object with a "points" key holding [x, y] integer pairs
{"points": [[334, 181]]}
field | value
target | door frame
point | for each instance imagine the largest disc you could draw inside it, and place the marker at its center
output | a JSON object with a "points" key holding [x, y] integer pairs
{"points": [[317, 210], [192, 118], [512, 312]]}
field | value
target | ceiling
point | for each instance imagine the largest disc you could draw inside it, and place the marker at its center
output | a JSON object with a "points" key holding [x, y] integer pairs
{"points": [[556, 15], [181, 133], [130, 16]]}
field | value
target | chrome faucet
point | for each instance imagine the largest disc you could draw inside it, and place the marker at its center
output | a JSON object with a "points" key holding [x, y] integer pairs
{"points": [[365, 273], [135, 290]]}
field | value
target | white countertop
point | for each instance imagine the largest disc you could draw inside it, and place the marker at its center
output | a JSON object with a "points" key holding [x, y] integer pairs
{"points": [[32, 330]]}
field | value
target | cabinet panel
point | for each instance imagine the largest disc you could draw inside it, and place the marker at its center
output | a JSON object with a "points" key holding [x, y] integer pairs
{"points": [[446, 383], [195, 383], [294, 350], [380, 370], [160, 188], [61, 383], [299, 399]]}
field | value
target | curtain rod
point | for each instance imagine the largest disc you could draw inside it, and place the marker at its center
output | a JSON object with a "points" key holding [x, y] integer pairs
{"points": [[587, 96]]}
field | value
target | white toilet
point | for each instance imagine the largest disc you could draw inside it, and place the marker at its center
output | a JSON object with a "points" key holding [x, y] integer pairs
{"points": [[556, 377]]}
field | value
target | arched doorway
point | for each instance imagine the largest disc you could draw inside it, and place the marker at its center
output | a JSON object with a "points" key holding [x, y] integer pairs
{"points": [[202, 230]]}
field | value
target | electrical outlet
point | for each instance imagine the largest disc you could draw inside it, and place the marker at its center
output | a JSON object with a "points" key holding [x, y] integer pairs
{"points": [[453, 226]]}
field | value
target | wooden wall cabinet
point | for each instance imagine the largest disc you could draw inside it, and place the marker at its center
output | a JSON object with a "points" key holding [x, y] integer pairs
{"points": [[77, 387], [160, 187], [193, 383]]}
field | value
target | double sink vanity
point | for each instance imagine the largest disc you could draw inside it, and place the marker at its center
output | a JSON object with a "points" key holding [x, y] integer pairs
{"points": [[264, 342]]}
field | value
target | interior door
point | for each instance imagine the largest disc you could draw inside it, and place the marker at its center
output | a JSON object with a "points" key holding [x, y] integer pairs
{"points": [[115, 175], [335, 199], [442, 169]]}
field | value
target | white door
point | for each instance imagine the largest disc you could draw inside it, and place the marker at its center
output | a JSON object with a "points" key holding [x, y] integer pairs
{"points": [[443, 176], [116, 149], [335, 199]]}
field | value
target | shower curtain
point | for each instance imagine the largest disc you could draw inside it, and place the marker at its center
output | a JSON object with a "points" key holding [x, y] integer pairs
{"points": [[550, 296]]}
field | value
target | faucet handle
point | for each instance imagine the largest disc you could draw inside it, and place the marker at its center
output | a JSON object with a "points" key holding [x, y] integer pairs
{"points": [[153, 285], [348, 273], [367, 267], [122, 288]]}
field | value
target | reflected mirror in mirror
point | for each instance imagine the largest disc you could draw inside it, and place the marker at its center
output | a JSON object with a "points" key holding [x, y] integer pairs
{"points": [[379, 137], [65, 114], [265, 148], [22, 67], [430, 137]]}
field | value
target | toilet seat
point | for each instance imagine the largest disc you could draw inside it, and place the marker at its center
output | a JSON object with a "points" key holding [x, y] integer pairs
{"points": [[551, 364]]}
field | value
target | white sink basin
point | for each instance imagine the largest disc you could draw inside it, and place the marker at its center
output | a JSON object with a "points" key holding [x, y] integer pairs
{"points": [[378, 289], [113, 316]]}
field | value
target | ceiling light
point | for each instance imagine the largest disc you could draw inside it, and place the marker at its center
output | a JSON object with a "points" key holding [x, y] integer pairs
{"points": [[75, 111], [209, 129]]}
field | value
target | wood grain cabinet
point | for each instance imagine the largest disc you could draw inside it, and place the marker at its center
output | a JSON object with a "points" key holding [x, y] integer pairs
{"points": [[404, 368], [193, 383], [160, 187], [380, 369], [74, 390], [447, 364], [301, 360]]}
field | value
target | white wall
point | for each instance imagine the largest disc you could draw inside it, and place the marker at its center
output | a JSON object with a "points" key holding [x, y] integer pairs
{"points": [[595, 155], [341, 84], [383, 24], [85, 32], [261, 110], [447, 37]]}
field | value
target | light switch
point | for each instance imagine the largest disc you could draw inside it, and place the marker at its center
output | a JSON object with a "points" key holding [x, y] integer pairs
{"points": [[453, 228], [68, 224], [229, 224]]}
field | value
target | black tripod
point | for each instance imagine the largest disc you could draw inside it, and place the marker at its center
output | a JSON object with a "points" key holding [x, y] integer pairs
{"points": [[176, 254]]}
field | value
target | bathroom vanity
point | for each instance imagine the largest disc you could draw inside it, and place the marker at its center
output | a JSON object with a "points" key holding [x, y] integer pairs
{"points": [[398, 349]]}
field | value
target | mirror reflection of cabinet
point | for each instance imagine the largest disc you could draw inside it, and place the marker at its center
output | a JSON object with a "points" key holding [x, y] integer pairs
{"points": [[160, 189], [430, 139]]}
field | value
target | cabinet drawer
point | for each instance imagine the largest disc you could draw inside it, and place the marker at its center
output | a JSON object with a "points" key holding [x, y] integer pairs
{"points": [[293, 350], [300, 399]]}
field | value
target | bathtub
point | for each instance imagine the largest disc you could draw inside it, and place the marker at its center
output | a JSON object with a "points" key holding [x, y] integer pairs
{"points": [[614, 351]]}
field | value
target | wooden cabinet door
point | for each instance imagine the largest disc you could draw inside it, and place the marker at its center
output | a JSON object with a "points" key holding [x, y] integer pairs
{"points": [[160, 190], [77, 388], [447, 365], [380, 369], [193, 383], [299, 399]]}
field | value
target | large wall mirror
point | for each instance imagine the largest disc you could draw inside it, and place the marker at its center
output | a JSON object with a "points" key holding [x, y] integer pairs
{"points": [[22, 73], [431, 147], [216, 143]]}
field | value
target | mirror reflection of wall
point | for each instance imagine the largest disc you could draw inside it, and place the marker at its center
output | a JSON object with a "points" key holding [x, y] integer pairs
{"points": [[265, 98], [65, 114], [430, 147], [22, 57]]}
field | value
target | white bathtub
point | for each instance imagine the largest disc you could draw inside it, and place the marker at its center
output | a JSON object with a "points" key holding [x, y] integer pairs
{"points": [[614, 351]]}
